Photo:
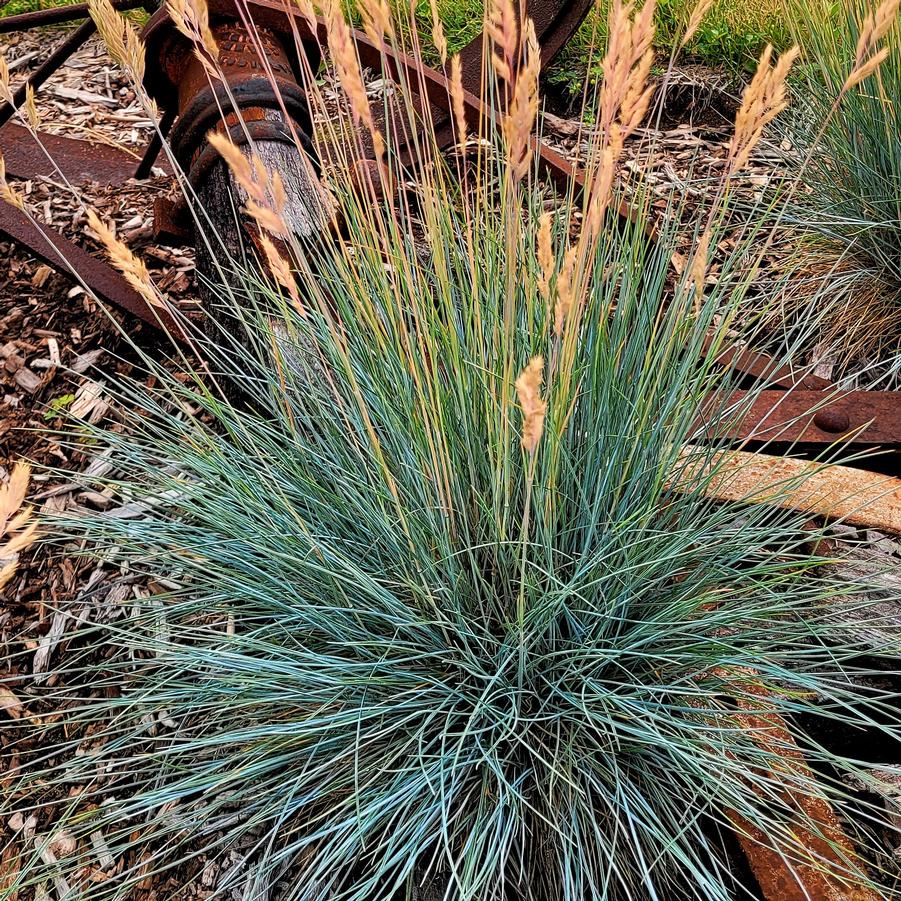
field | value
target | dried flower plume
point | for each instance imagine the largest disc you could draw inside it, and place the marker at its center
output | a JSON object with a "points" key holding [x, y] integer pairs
{"points": [[624, 99], [6, 94], [133, 269], [868, 54], [520, 119], [763, 99], [192, 19], [457, 99], [438, 37], [528, 389], [266, 198], [120, 37], [7, 192], [376, 16], [702, 7], [698, 271], [281, 271], [566, 294], [545, 256], [503, 29], [347, 65], [16, 529]]}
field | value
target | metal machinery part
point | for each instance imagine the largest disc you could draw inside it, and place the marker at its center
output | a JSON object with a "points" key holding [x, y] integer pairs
{"points": [[803, 411]]}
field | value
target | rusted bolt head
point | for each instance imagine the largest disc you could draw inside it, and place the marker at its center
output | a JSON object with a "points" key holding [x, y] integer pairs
{"points": [[832, 419]]}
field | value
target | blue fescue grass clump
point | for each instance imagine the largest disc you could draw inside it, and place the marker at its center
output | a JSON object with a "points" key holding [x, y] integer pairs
{"points": [[438, 600], [361, 665]]}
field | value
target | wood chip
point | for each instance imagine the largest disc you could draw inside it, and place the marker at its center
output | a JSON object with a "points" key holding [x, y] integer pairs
{"points": [[27, 380]]}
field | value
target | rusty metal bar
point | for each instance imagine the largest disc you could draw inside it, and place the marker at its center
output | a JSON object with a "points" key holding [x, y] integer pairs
{"points": [[762, 366], [152, 151], [823, 865], [59, 55], [855, 418], [27, 157], [855, 496], [58, 15], [67, 258]]}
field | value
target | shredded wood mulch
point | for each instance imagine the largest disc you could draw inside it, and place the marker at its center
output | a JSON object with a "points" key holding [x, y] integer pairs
{"points": [[58, 349]]}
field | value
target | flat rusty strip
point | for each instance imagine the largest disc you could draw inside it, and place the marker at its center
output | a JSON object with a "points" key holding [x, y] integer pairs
{"points": [[861, 418], [822, 864], [68, 258], [77, 160], [763, 366], [861, 498]]}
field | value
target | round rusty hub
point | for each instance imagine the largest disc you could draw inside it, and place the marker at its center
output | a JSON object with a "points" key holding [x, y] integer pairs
{"points": [[175, 81]]}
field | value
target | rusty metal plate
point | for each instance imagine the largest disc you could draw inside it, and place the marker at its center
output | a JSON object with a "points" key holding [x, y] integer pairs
{"points": [[78, 160], [856, 418], [823, 865], [861, 498]]}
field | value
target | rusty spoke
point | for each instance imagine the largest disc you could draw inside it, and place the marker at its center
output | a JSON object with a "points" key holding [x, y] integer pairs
{"points": [[68, 258]]}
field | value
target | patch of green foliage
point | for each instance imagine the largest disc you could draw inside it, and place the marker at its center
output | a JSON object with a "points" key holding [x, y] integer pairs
{"points": [[14, 7], [58, 406]]}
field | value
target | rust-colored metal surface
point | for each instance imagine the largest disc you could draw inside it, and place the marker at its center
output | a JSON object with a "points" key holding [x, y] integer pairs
{"points": [[854, 419], [855, 496], [823, 865], [48, 155], [760, 366], [68, 258]]}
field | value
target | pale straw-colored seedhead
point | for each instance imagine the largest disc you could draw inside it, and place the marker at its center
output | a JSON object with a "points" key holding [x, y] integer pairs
{"points": [[698, 269], [281, 272], [763, 99], [545, 256], [698, 14], [624, 99], [266, 199], [6, 94], [519, 121], [533, 406], [503, 29], [30, 107], [120, 37], [377, 20], [7, 192], [17, 529], [457, 99], [438, 37], [133, 269], [308, 11], [565, 290], [347, 66], [869, 56], [192, 19]]}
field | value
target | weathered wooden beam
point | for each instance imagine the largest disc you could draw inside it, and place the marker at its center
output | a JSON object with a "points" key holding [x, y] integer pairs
{"points": [[855, 496]]}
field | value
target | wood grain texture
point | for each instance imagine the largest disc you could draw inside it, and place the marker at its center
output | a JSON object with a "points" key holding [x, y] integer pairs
{"points": [[855, 496]]}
